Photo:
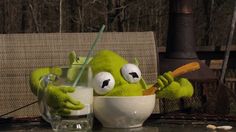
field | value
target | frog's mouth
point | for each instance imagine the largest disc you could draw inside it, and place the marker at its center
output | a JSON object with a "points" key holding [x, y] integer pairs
{"points": [[126, 90]]}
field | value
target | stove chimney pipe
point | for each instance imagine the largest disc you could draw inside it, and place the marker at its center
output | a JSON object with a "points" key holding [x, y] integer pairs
{"points": [[180, 47], [181, 40]]}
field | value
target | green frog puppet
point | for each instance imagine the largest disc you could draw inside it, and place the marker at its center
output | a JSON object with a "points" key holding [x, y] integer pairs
{"points": [[113, 76]]}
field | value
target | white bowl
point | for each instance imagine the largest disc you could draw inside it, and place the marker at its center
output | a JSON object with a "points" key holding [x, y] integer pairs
{"points": [[123, 112]]}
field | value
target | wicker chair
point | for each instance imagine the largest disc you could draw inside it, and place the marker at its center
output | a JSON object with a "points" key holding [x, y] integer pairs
{"points": [[21, 53]]}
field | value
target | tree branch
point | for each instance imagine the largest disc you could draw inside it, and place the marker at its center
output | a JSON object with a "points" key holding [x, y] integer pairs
{"points": [[34, 17]]}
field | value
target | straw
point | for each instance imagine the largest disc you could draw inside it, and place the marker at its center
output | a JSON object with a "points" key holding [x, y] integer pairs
{"points": [[88, 56]]}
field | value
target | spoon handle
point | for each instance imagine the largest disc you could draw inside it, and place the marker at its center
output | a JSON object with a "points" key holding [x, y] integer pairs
{"points": [[193, 66]]}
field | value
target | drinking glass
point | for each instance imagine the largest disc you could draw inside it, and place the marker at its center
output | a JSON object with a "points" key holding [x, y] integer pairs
{"points": [[77, 120]]}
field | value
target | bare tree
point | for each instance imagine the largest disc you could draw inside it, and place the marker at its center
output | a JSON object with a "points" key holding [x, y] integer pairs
{"points": [[61, 16]]}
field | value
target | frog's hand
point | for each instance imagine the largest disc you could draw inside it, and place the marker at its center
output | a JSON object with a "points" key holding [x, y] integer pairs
{"points": [[37, 75], [164, 80], [177, 89], [187, 89], [59, 101], [173, 89]]}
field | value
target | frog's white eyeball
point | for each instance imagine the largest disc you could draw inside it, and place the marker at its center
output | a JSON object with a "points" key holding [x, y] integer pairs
{"points": [[103, 82], [131, 73]]}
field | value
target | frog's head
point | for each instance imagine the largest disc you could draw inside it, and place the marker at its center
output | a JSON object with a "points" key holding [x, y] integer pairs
{"points": [[114, 76]]}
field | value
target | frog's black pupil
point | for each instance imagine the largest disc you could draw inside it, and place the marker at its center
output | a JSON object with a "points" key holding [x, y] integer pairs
{"points": [[105, 83], [134, 74]]}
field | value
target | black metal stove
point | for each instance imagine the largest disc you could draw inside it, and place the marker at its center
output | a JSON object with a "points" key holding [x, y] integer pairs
{"points": [[180, 50]]}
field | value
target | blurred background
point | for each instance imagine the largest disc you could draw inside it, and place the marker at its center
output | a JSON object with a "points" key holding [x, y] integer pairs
{"points": [[212, 19]]}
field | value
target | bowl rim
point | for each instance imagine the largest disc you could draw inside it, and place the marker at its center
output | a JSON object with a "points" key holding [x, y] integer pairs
{"points": [[122, 97]]}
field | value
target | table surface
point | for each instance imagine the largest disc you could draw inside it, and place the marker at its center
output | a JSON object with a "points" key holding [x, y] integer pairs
{"points": [[150, 125]]}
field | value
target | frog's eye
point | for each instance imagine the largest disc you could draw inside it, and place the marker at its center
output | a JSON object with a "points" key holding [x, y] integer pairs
{"points": [[103, 82], [131, 73]]}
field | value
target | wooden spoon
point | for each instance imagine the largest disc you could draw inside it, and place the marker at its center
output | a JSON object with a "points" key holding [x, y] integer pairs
{"points": [[177, 72]]}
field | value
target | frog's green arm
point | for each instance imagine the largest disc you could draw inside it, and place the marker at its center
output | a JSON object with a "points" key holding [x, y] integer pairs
{"points": [[36, 77], [56, 96]]}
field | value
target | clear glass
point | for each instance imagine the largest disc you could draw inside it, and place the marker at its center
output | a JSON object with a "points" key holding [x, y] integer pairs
{"points": [[77, 120]]}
